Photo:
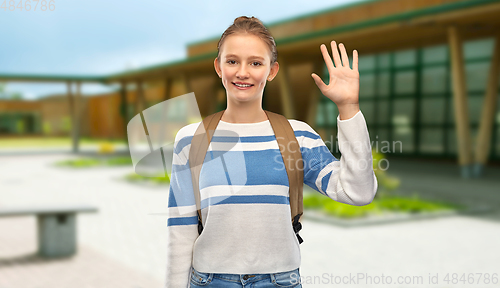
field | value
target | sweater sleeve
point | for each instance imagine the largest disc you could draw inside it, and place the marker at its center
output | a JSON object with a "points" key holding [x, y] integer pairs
{"points": [[350, 180], [182, 222]]}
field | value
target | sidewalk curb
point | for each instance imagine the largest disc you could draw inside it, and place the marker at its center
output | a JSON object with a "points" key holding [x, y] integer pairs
{"points": [[319, 216]]}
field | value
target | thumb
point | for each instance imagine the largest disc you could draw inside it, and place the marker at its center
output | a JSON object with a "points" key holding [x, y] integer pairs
{"points": [[319, 82]]}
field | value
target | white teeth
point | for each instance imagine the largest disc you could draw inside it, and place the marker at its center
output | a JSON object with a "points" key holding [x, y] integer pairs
{"points": [[242, 85]]}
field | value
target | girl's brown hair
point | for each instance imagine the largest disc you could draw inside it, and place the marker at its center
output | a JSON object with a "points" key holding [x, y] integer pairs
{"points": [[254, 26]]}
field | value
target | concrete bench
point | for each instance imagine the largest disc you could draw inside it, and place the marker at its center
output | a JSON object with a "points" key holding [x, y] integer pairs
{"points": [[56, 226]]}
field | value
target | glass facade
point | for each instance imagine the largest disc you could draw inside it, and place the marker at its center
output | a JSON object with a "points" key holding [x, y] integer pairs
{"points": [[19, 123], [406, 98]]}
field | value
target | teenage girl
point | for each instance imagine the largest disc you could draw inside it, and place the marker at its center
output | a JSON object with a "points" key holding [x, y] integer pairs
{"points": [[248, 239]]}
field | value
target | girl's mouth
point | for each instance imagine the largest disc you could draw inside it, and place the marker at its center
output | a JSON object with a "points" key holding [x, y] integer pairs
{"points": [[243, 86]]}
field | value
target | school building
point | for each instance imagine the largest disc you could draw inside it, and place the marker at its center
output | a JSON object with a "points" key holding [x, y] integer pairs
{"points": [[429, 81]]}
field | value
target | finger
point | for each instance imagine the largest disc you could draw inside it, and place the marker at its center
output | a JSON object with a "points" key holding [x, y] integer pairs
{"points": [[345, 58], [319, 81], [355, 60], [336, 56], [328, 59]]}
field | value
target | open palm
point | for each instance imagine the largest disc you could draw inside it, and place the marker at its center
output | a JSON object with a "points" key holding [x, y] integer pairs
{"points": [[343, 87]]}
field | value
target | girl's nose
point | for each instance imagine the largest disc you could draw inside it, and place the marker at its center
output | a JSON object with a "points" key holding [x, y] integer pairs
{"points": [[242, 72]]}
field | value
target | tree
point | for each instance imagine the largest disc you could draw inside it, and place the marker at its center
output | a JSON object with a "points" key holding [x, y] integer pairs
{"points": [[2, 90], [4, 94], [16, 96]]}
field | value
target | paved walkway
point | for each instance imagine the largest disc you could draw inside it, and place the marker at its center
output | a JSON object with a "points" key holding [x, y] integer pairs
{"points": [[123, 245], [88, 148]]}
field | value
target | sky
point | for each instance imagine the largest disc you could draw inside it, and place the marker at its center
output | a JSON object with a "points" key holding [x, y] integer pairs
{"points": [[102, 37]]}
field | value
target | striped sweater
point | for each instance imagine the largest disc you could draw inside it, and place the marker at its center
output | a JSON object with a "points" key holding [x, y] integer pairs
{"points": [[244, 196]]}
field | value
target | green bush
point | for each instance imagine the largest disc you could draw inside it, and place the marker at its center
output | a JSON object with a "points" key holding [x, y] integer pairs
{"points": [[134, 177], [80, 163], [342, 210], [312, 202], [118, 161], [160, 179], [412, 205], [376, 207], [92, 162], [386, 183]]}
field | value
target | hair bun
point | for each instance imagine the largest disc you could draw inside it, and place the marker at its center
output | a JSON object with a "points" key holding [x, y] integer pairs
{"points": [[245, 18]]}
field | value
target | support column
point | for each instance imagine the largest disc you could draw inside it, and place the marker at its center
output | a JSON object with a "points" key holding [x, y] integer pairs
{"points": [[140, 100], [186, 88], [285, 90], [483, 142], [168, 87], [73, 116], [124, 108], [314, 95], [186, 85], [460, 102], [78, 116]]}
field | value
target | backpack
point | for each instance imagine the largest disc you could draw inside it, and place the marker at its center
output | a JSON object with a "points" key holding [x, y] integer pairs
{"points": [[286, 139]]}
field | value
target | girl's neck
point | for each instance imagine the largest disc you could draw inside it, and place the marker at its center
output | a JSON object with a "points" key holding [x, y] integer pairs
{"points": [[244, 114]]}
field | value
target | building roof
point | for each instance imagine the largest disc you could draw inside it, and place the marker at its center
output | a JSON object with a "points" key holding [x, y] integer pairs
{"points": [[371, 26]]}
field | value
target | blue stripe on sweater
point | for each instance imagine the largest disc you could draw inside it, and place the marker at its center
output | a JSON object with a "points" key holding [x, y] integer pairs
{"points": [[264, 167], [324, 182], [245, 199], [182, 143], [179, 198], [234, 199], [182, 221], [315, 159], [243, 139], [306, 134]]}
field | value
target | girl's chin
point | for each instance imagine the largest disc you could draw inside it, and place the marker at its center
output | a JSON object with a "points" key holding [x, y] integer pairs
{"points": [[243, 98]]}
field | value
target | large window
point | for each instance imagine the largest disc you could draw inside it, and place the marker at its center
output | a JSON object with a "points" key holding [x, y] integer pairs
{"points": [[19, 123], [406, 98]]}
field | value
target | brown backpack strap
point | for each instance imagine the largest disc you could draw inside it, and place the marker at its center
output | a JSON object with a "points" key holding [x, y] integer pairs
{"points": [[290, 150], [197, 152]]}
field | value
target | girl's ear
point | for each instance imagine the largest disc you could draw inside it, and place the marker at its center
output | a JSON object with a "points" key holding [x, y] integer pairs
{"points": [[217, 67], [274, 71]]}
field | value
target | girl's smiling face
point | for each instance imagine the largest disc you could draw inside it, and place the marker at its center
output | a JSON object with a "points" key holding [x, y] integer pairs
{"points": [[245, 66]]}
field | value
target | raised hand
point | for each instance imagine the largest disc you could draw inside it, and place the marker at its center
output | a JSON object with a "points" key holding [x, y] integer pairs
{"points": [[343, 87]]}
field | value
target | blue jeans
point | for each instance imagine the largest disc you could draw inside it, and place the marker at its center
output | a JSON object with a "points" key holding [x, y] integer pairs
{"points": [[271, 280]]}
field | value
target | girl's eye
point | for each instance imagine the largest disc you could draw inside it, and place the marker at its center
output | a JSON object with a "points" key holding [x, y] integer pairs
{"points": [[255, 63]]}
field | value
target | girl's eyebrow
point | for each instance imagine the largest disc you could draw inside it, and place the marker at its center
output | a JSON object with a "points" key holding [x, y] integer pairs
{"points": [[251, 57]]}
